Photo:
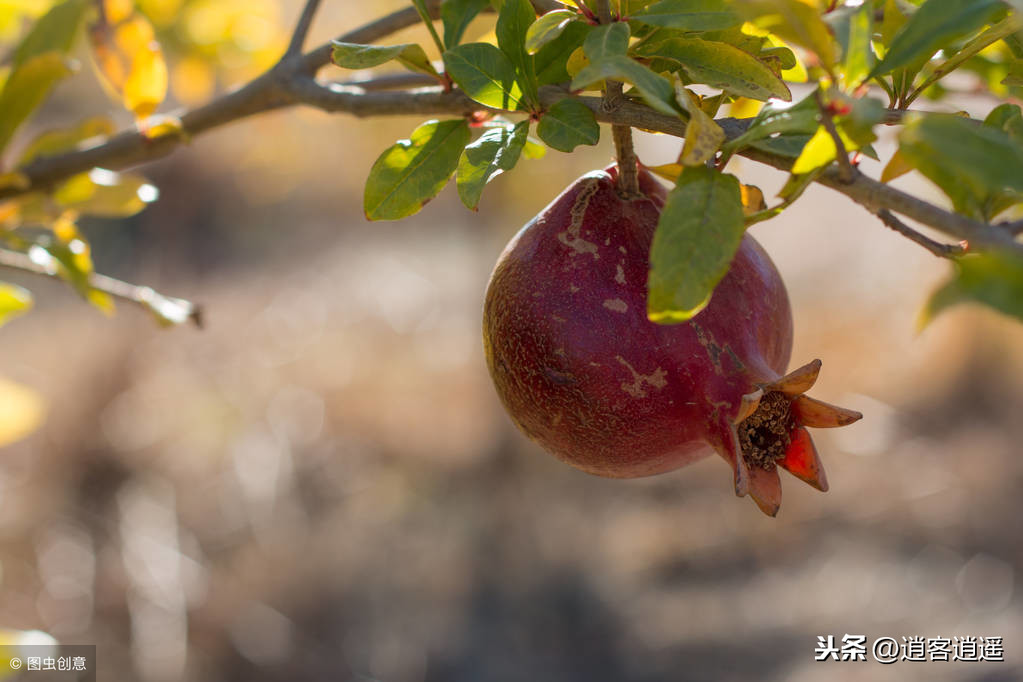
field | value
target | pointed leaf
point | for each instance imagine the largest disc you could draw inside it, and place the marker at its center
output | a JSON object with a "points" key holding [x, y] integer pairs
{"points": [[703, 135], [609, 40], [935, 24], [513, 22], [689, 15], [722, 66], [485, 74], [797, 22], [54, 141], [853, 27], [131, 61], [55, 31], [106, 194], [655, 89], [568, 124], [698, 233], [26, 88], [413, 171], [358, 56], [497, 150], [455, 16], [547, 28]]}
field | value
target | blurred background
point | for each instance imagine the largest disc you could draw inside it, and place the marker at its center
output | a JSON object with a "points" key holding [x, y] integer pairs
{"points": [[322, 485]]}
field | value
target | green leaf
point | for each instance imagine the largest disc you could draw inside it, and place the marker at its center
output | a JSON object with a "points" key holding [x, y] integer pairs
{"points": [[689, 15], [779, 118], [55, 31], [55, 141], [609, 40], [994, 278], [455, 16], [655, 89], [568, 124], [552, 58], [14, 301], [969, 162], [413, 171], [722, 66], [547, 28], [513, 22], [357, 56], [105, 194], [797, 22], [790, 146], [854, 27], [485, 74], [497, 150], [935, 24], [26, 88], [699, 231]]}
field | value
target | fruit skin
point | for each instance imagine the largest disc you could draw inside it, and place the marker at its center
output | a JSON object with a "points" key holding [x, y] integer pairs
{"points": [[583, 372]]}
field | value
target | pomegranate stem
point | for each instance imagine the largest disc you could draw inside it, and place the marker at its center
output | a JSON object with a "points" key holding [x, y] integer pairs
{"points": [[628, 174]]}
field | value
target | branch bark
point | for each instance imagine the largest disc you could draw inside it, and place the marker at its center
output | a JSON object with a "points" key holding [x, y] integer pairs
{"points": [[291, 82]]}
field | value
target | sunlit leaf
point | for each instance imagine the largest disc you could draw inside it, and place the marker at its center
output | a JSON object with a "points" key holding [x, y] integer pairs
{"points": [[935, 24], [797, 22], [698, 233], [131, 62], [413, 171], [703, 135], [513, 22], [105, 194], [358, 56], [485, 74], [654, 88], [993, 278], [552, 59], [853, 27], [568, 124], [897, 166], [779, 118], [690, 15], [14, 301], [63, 139], [752, 199], [455, 15], [547, 28], [497, 150], [26, 88], [55, 31], [720, 65]]}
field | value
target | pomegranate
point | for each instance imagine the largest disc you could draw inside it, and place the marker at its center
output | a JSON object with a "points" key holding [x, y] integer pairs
{"points": [[583, 372]]}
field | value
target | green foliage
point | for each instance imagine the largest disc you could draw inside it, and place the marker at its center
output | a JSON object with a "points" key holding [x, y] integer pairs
{"points": [[568, 124], [689, 15], [356, 56], [485, 74], [697, 236], [456, 16], [413, 171], [495, 151], [994, 278], [547, 28]]}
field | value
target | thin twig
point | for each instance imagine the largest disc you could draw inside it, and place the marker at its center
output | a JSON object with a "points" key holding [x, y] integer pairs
{"points": [[1013, 227], [305, 21], [937, 248], [126, 291], [846, 170]]}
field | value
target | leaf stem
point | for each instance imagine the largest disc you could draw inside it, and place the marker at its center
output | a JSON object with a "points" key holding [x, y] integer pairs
{"points": [[424, 14], [845, 169]]}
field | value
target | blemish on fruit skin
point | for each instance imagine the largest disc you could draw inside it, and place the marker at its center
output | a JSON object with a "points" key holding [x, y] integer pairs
{"points": [[637, 389], [616, 305], [713, 350], [558, 318], [623, 250], [572, 288], [572, 237], [620, 274]]}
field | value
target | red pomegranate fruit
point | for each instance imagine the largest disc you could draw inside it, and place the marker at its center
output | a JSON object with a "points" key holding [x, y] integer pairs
{"points": [[583, 372]]}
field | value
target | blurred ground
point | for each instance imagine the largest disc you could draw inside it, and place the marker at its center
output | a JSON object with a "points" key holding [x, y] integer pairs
{"points": [[323, 486]]}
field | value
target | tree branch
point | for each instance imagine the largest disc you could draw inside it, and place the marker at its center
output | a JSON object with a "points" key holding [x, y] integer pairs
{"points": [[291, 82], [845, 169], [937, 248], [305, 21], [125, 291]]}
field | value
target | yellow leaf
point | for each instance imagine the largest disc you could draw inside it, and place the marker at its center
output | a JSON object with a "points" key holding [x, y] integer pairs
{"points": [[14, 301], [21, 411], [744, 107], [752, 199], [131, 63], [703, 135], [193, 80], [669, 171], [897, 166], [577, 61], [26, 88]]}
